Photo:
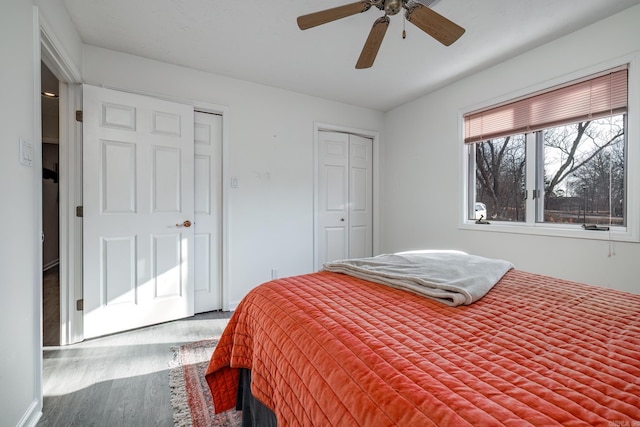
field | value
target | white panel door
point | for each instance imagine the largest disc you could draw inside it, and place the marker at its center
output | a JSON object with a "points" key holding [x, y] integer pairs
{"points": [[345, 191], [138, 192], [208, 212]]}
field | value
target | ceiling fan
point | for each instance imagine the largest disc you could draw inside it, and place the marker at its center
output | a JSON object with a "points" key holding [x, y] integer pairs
{"points": [[417, 12]]}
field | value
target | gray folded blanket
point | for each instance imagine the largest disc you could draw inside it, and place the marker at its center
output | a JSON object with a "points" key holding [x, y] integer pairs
{"points": [[451, 277]]}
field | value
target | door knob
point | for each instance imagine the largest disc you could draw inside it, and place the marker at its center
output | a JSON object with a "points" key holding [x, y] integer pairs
{"points": [[187, 223]]}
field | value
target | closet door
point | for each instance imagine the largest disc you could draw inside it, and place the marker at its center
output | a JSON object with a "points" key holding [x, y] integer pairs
{"points": [[208, 211], [345, 218]]}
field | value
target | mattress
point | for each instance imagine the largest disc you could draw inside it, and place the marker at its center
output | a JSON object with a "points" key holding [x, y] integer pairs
{"points": [[330, 349]]}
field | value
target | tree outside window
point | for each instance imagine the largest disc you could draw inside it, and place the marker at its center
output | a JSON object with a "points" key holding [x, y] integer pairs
{"points": [[500, 177]]}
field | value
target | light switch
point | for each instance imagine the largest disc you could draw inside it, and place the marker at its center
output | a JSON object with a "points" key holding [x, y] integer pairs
{"points": [[234, 182], [26, 153]]}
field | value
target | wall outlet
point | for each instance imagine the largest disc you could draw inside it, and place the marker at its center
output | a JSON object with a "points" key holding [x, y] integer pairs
{"points": [[274, 273]]}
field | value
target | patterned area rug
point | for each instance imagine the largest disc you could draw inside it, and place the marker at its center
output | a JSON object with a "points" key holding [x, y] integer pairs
{"points": [[190, 395]]}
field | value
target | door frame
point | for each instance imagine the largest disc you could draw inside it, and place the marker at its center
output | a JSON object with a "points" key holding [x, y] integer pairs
{"points": [[58, 61], [375, 137]]}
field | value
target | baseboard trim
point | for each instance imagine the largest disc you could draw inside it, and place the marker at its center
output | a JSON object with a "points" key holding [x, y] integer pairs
{"points": [[32, 415]]}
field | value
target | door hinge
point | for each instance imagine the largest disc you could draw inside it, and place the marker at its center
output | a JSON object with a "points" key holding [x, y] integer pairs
{"points": [[80, 304], [79, 116], [79, 211]]}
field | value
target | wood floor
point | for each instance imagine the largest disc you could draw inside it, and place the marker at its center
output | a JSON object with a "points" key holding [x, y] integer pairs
{"points": [[122, 379], [51, 306]]}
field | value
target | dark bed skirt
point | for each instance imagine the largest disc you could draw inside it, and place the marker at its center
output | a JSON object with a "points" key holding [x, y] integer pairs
{"points": [[254, 413]]}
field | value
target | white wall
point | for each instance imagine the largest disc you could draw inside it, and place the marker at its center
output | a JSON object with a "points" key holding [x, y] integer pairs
{"points": [[421, 190], [270, 152], [56, 21], [20, 395]]}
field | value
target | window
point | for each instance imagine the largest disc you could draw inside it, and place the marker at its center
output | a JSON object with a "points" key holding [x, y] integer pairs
{"points": [[500, 177], [556, 159], [584, 177]]}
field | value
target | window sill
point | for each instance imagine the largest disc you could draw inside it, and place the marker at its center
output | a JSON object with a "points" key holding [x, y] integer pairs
{"points": [[616, 234]]}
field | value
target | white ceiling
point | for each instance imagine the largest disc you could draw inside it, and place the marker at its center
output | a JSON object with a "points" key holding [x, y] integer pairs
{"points": [[259, 41]]}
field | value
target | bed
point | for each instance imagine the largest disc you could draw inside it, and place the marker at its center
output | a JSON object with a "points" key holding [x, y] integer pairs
{"points": [[333, 349]]}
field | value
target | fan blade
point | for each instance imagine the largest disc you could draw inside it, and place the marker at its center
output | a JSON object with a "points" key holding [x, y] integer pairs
{"points": [[318, 18], [372, 45], [434, 24]]}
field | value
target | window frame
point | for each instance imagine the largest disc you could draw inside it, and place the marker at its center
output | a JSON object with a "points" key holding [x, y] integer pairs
{"points": [[628, 233]]}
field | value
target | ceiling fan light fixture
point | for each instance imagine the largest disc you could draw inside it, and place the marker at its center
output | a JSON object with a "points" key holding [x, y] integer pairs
{"points": [[418, 12], [392, 7]]}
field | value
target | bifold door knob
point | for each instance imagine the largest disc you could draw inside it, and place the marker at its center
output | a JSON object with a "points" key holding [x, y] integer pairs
{"points": [[187, 223]]}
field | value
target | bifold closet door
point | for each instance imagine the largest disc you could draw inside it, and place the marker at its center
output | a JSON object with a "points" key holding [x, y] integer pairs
{"points": [[345, 196]]}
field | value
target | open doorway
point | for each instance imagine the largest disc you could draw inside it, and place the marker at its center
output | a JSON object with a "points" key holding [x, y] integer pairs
{"points": [[50, 208]]}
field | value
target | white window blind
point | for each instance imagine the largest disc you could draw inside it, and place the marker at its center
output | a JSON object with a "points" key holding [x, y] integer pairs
{"points": [[591, 98]]}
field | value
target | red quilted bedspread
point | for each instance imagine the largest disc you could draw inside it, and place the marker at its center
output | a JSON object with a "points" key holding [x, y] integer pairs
{"points": [[329, 349]]}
